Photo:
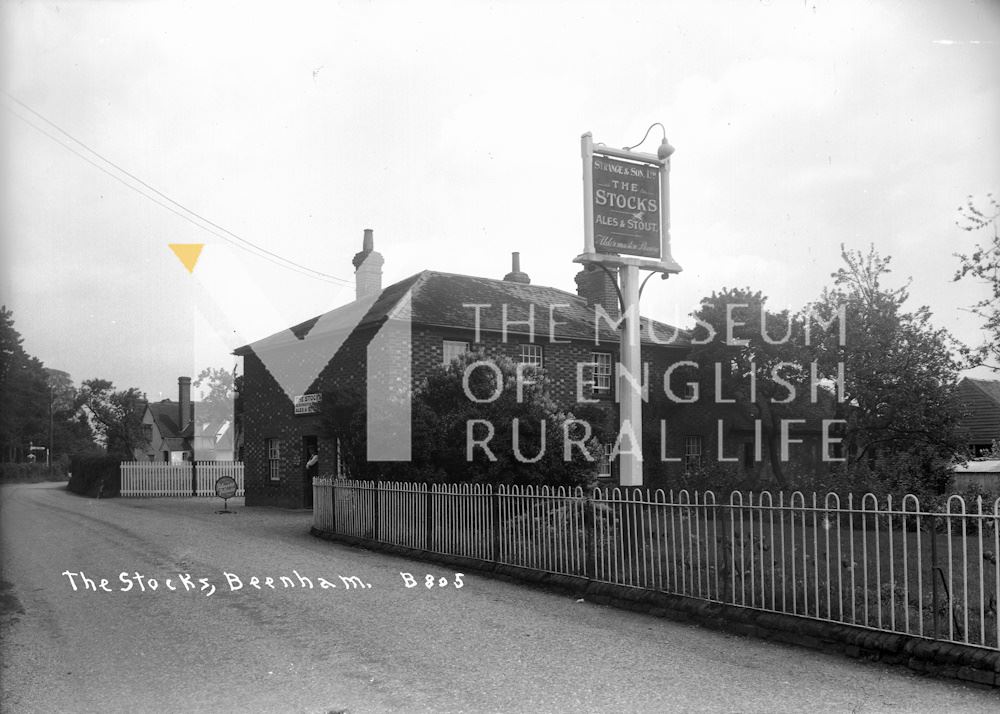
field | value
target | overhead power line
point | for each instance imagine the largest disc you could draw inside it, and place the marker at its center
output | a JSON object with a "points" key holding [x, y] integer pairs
{"points": [[161, 199]]}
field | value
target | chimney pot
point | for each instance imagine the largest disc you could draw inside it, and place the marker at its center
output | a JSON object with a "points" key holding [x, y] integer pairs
{"points": [[598, 288], [183, 402], [515, 275], [368, 267]]}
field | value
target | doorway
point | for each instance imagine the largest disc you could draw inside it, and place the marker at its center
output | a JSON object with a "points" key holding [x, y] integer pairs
{"points": [[310, 462]]}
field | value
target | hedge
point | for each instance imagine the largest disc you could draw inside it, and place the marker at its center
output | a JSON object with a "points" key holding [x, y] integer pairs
{"points": [[32, 473], [95, 476]]}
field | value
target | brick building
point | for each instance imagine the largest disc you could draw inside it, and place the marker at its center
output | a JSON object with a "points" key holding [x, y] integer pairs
{"points": [[438, 316]]}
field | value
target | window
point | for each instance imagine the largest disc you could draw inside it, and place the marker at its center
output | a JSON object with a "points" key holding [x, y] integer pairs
{"points": [[452, 350], [531, 354], [980, 450], [692, 452], [274, 459], [605, 463], [602, 371]]}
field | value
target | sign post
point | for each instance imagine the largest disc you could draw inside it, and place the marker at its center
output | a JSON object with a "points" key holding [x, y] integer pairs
{"points": [[225, 488], [626, 209]]}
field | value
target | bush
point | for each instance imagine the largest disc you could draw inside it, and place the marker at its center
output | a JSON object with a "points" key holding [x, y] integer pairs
{"points": [[442, 415], [95, 476], [32, 473], [894, 476], [721, 479]]}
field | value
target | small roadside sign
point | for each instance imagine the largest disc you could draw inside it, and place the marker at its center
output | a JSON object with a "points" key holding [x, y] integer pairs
{"points": [[225, 488]]}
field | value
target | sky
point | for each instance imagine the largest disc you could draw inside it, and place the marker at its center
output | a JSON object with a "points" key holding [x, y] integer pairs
{"points": [[452, 129]]}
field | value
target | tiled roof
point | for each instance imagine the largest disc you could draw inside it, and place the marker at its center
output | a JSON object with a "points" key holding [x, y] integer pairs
{"points": [[440, 300], [165, 415], [175, 443], [989, 387], [981, 398]]}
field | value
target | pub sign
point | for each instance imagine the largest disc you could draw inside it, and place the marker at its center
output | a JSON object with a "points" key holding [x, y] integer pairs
{"points": [[308, 403], [626, 200]]}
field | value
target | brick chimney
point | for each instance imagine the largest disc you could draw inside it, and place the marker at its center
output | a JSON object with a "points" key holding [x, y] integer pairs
{"points": [[183, 402], [368, 268], [597, 287], [515, 275]]}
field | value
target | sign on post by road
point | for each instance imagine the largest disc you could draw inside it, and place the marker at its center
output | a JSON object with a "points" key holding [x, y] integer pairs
{"points": [[626, 228], [225, 488], [626, 207]]}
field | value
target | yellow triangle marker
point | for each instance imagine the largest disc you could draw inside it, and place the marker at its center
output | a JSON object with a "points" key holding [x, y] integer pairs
{"points": [[188, 253]]}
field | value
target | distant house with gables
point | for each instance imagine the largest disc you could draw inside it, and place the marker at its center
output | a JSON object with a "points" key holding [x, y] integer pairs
{"points": [[174, 434]]}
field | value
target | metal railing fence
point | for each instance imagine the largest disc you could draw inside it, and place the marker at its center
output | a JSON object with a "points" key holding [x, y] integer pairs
{"points": [[884, 565]]}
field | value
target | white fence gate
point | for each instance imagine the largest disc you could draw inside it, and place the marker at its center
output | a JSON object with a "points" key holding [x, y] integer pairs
{"points": [[156, 478]]}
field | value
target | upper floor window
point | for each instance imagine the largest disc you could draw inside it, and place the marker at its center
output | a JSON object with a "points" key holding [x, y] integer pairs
{"points": [[452, 350], [531, 354], [602, 371]]}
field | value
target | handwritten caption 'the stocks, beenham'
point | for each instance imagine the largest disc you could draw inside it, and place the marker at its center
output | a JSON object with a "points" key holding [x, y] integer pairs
{"points": [[187, 583]]}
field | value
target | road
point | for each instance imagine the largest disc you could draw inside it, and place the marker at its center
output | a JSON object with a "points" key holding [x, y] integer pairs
{"points": [[487, 646]]}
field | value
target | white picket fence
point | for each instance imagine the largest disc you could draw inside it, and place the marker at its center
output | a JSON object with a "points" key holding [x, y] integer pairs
{"points": [[156, 478]]}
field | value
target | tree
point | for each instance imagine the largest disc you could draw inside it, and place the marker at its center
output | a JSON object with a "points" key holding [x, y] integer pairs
{"points": [[24, 394], [899, 373], [116, 416], [38, 405], [752, 348], [215, 405], [71, 433], [983, 263], [443, 415]]}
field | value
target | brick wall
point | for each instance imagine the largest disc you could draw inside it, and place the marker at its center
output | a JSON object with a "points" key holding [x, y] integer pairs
{"points": [[268, 412]]}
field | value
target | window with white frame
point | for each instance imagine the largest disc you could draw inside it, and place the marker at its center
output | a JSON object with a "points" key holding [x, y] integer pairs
{"points": [[692, 451], [605, 462], [274, 459], [602, 371], [451, 350], [531, 354]]}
